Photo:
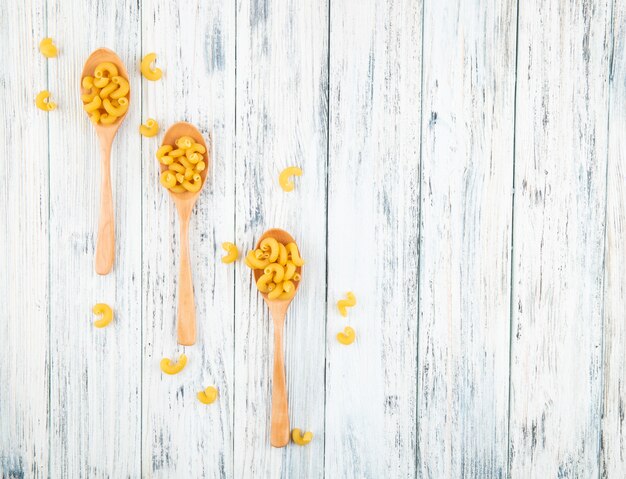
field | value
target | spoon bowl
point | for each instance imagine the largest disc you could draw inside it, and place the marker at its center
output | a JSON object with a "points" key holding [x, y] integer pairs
{"points": [[279, 429], [185, 201], [285, 238], [105, 246]]}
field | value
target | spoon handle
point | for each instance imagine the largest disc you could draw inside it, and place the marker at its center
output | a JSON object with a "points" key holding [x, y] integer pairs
{"points": [[279, 432], [186, 305], [105, 246]]}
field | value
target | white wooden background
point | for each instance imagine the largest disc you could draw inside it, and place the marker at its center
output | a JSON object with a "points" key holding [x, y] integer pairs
{"points": [[464, 170]]}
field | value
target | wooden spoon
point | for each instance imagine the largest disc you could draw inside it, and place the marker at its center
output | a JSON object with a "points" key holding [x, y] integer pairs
{"points": [[279, 432], [105, 247], [184, 204]]}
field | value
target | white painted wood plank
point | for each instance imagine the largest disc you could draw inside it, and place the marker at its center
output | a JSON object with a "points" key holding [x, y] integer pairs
{"points": [[558, 245], [195, 46], [613, 421], [95, 373], [467, 174], [375, 69], [24, 262], [282, 84]]}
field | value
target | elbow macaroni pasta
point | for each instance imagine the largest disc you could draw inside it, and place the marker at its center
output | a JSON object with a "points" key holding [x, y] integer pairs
{"points": [[42, 100], [208, 396], [152, 74], [182, 174], [343, 304], [301, 439], [283, 179], [232, 253], [347, 336], [47, 48], [150, 128], [106, 315], [168, 367], [106, 94], [279, 268]]}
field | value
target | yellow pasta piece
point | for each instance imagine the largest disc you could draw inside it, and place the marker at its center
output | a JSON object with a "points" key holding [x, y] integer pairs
{"points": [[343, 304], [47, 48], [263, 282], [288, 286], [196, 148], [194, 157], [290, 270], [88, 97], [177, 167], [123, 87], [276, 270], [101, 82], [301, 439], [87, 82], [256, 263], [185, 162], [347, 336], [150, 128], [42, 100], [107, 90], [164, 150], [107, 119], [292, 248], [113, 109], [93, 105], [106, 315], [272, 245], [296, 277], [208, 396], [232, 253], [282, 254], [95, 117], [287, 294], [283, 179], [152, 74], [276, 292], [188, 173], [200, 166], [176, 153], [173, 368], [184, 142], [194, 185], [177, 189], [180, 178], [105, 69], [168, 179]]}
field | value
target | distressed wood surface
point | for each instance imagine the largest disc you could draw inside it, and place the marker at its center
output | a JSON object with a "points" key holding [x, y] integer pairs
{"points": [[462, 175], [467, 172], [95, 377], [558, 244], [373, 205], [182, 437], [613, 445], [24, 255], [282, 81]]}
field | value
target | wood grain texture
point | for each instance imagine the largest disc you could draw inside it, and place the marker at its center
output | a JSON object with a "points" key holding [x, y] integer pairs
{"points": [[373, 186], [95, 373], [613, 452], [282, 82], [195, 46], [467, 174], [558, 245], [24, 229]]}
